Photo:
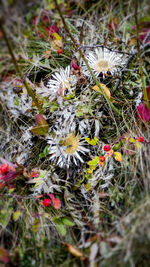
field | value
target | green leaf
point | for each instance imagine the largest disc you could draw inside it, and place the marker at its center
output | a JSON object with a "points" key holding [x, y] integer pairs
{"points": [[16, 215], [60, 226], [61, 229], [116, 146], [66, 220], [94, 161], [45, 152], [77, 184], [42, 128], [92, 142], [5, 216]]}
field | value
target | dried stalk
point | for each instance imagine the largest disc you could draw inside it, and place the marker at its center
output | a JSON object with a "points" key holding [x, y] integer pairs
{"points": [[29, 90]]}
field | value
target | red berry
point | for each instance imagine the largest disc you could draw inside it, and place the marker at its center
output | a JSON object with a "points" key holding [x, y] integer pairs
{"points": [[46, 202], [102, 158], [59, 51], [140, 139], [4, 168], [107, 148]]}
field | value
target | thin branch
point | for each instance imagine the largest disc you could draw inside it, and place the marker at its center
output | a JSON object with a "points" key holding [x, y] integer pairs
{"points": [[18, 69]]}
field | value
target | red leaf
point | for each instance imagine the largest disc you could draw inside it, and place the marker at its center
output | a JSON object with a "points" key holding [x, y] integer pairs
{"points": [[143, 112], [148, 92], [4, 256], [40, 120]]}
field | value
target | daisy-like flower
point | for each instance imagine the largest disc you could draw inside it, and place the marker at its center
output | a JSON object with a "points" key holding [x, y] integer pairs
{"points": [[102, 62], [60, 83], [65, 151]]}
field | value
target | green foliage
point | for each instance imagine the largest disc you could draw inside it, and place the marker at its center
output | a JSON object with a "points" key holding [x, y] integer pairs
{"points": [[45, 152]]}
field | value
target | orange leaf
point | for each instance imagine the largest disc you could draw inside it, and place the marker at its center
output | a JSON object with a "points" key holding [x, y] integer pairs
{"points": [[104, 87], [47, 53], [56, 203], [74, 251]]}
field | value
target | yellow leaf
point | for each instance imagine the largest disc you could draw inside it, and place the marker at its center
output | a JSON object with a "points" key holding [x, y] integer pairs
{"points": [[57, 36], [16, 215], [132, 140], [104, 87], [118, 156]]}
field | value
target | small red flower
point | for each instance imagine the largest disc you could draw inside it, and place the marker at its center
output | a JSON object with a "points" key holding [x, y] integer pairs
{"points": [[140, 139], [59, 51], [46, 202], [4, 168], [102, 158], [107, 148]]}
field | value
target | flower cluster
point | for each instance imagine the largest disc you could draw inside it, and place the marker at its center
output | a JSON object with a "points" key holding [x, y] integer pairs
{"points": [[51, 200]]}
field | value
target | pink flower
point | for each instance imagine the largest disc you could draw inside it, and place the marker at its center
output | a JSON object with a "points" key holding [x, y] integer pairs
{"points": [[143, 112]]}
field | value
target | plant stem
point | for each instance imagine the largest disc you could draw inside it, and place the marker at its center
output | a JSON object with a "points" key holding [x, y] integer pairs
{"points": [[85, 60], [18, 69], [139, 57]]}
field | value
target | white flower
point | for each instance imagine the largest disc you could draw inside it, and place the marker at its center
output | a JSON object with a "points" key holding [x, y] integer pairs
{"points": [[60, 83], [102, 62], [66, 150]]}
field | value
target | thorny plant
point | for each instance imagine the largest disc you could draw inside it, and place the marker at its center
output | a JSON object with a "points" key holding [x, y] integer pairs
{"points": [[75, 181]]}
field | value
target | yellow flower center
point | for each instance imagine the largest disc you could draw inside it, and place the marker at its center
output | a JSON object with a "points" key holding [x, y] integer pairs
{"points": [[72, 143], [101, 65]]}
